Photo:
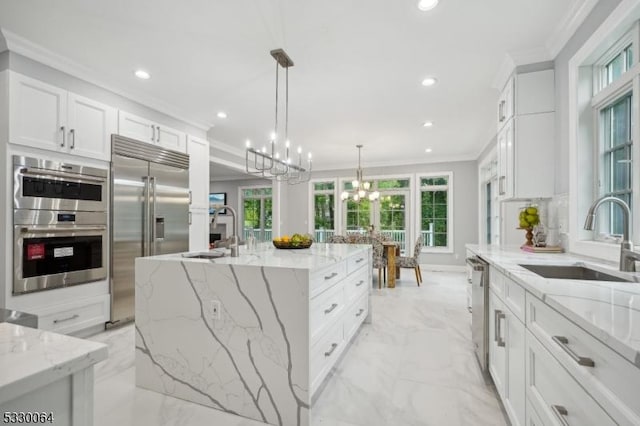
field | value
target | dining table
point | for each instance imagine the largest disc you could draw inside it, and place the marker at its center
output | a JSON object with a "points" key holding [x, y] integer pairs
{"points": [[392, 250]]}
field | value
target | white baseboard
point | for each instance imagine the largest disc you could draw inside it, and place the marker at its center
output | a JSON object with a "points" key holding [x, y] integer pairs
{"points": [[443, 268]]}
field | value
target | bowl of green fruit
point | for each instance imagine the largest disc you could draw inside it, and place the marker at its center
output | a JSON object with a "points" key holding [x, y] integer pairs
{"points": [[296, 241], [528, 218]]}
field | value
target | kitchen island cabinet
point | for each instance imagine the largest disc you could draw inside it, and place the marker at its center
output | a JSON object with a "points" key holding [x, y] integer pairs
{"points": [[254, 335]]}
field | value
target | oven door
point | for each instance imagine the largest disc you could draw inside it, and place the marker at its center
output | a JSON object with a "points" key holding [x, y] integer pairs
{"points": [[53, 256], [39, 188]]}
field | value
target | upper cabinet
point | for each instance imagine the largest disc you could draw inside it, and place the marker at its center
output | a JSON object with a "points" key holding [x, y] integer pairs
{"points": [[47, 117], [526, 137], [144, 130]]}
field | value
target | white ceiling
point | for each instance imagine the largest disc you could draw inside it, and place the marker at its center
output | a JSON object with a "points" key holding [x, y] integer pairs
{"points": [[358, 65]]}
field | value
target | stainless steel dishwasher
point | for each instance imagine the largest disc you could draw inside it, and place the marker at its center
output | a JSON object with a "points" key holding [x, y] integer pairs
{"points": [[479, 313]]}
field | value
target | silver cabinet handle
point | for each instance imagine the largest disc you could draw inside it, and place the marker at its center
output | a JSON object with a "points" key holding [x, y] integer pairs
{"points": [[190, 197], [360, 283], [153, 133], [499, 315], [72, 317], [501, 185], [189, 218], [64, 136], [561, 413], [563, 342], [158, 133], [330, 351], [359, 312], [333, 306], [328, 277], [73, 138], [360, 260]]}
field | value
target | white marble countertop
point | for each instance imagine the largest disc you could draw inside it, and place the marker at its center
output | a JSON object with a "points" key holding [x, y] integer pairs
{"points": [[610, 311], [265, 254], [32, 358]]}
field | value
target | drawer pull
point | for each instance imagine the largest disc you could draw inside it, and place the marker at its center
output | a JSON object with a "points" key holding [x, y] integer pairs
{"points": [[328, 277], [72, 317], [563, 342], [561, 413], [360, 283], [330, 351], [499, 315], [333, 306], [360, 260], [360, 312]]}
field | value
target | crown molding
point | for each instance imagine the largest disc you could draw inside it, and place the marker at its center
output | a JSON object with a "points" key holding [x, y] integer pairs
{"points": [[530, 56], [28, 49], [565, 29], [504, 72], [398, 163], [216, 144]]}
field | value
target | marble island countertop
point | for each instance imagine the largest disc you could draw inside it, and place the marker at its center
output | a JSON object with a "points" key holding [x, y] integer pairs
{"points": [[31, 358], [265, 254], [610, 311]]}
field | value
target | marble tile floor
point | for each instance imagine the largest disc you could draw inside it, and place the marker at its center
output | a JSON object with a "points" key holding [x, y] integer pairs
{"points": [[413, 365]]}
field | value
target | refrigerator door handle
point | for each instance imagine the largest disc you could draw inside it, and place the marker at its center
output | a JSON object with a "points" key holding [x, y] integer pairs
{"points": [[145, 216], [152, 182]]}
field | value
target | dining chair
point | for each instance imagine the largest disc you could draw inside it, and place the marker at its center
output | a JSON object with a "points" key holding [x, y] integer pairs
{"points": [[337, 239], [379, 260], [413, 261]]}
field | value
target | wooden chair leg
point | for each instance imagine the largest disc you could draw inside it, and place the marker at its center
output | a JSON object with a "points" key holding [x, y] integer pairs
{"points": [[384, 272], [419, 272], [379, 279], [417, 276]]}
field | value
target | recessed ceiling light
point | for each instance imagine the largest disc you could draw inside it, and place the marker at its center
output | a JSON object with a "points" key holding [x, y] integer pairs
{"points": [[427, 124], [429, 81], [425, 5], [428, 150], [142, 74], [222, 114]]}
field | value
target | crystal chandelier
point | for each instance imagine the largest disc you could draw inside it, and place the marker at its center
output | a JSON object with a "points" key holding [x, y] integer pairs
{"points": [[359, 188], [271, 163]]}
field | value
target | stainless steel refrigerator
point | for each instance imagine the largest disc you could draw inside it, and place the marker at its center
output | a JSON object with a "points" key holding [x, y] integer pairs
{"points": [[149, 213]]}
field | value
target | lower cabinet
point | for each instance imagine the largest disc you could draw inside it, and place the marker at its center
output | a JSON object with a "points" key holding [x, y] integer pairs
{"points": [[76, 316], [198, 229], [507, 358]]}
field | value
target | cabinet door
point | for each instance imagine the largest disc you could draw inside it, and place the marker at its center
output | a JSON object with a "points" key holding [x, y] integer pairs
{"points": [[171, 139], [515, 390], [508, 96], [37, 114], [135, 127], [199, 230], [497, 353], [198, 150], [91, 124]]}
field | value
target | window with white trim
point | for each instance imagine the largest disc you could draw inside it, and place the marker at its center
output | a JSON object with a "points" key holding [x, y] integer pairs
{"points": [[324, 209], [435, 211]]}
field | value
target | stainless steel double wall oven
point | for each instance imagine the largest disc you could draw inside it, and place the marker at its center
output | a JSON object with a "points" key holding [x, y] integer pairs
{"points": [[60, 224]]}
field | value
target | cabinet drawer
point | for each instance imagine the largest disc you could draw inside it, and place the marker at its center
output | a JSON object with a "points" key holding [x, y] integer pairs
{"points": [[324, 278], [497, 282], [358, 261], [324, 354], [514, 297], [354, 315], [356, 284], [612, 380], [555, 395], [324, 309], [69, 319]]}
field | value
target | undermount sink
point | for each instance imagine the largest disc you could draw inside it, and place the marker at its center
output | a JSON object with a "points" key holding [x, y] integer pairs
{"points": [[204, 255], [573, 272]]}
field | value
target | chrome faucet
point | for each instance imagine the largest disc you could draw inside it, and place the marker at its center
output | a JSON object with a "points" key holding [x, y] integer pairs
{"points": [[627, 255], [233, 241]]}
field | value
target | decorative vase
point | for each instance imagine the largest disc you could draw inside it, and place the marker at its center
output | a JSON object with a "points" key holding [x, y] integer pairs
{"points": [[529, 236]]}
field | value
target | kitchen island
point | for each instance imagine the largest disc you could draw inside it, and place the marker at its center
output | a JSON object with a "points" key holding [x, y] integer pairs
{"points": [[254, 335], [46, 378]]}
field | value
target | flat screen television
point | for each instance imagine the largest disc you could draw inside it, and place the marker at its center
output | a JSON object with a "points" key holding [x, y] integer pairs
{"points": [[217, 199]]}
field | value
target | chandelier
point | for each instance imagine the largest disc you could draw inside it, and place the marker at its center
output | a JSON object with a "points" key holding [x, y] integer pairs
{"points": [[360, 189], [275, 162]]}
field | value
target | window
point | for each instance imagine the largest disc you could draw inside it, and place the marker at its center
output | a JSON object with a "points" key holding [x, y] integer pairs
{"points": [[324, 207], [435, 210], [617, 66], [257, 212], [615, 179]]}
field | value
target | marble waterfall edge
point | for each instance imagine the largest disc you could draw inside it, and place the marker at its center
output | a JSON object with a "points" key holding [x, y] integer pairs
{"points": [[252, 361]]}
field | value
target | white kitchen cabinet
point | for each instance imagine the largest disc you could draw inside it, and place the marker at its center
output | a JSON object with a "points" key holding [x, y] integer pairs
{"points": [[142, 129], [47, 117], [507, 351], [198, 230], [526, 140], [91, 125], [198, 150], [505, 103]]}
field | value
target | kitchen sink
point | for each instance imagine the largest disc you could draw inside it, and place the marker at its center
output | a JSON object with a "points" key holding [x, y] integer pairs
{"points": [[573, 272], [204, 255]]}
